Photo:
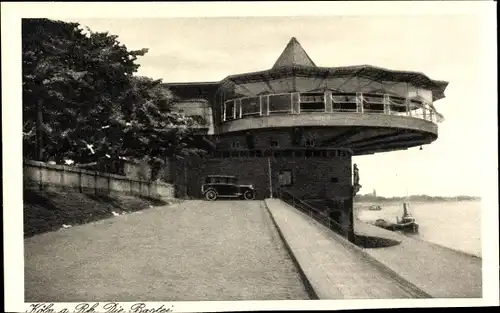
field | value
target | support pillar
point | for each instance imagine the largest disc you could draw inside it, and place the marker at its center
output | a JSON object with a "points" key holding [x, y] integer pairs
{"points": [[387, 107], [270, 177], [359, 102], [350, 225], [328, 102]]}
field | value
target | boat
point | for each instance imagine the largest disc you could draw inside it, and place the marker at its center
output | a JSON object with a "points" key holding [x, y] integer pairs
{"points": [[375, 208], [407, 223]]}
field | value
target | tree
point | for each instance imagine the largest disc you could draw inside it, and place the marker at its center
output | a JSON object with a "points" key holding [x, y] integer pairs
{"points": [[78, 78], [81, 98], [148, 128]]}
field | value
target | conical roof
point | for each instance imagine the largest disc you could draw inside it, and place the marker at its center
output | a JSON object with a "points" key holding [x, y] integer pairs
{"points": [[293, 55]]}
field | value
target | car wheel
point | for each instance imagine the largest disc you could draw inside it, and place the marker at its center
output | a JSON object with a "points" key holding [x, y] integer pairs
{"points": [[211, 195], [249, 195]]}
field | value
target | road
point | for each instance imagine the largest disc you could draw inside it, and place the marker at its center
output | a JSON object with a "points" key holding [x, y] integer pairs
{"points": [[194, 250]]}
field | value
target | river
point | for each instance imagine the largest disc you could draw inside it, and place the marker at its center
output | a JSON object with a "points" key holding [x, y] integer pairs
{"points": [[456, 225]]}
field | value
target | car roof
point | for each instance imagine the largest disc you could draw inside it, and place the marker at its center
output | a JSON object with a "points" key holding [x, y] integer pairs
{"points": [[228, 176]]}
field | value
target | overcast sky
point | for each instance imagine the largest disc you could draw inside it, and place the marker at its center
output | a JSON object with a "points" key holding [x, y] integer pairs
{"points": [[443, 47]]}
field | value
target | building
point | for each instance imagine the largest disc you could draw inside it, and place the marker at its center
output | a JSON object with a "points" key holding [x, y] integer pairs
{"points": [[296, 126]]}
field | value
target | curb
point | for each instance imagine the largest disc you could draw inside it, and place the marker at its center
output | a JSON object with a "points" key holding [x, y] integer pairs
{"points": [[305, 280], [410, 287]]}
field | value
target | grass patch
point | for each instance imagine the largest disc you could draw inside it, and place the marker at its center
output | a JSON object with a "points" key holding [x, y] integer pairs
{"points": [[46, 211]]}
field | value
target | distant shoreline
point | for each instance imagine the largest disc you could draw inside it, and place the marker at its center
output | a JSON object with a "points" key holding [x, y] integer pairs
{"points": [[418, 198]]}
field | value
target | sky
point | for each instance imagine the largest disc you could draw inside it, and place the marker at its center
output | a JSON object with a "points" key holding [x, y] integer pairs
{"points": [[444, 47]]}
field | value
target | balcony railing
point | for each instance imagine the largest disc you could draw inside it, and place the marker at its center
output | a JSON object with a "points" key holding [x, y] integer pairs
{"points": [[329, 103]]}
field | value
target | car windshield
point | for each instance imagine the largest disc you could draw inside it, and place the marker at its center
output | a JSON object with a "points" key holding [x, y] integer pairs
{"points": [[220, 180]]}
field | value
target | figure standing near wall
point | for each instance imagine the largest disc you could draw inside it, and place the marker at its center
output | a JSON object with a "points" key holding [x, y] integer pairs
{"points": [[356, 185]]}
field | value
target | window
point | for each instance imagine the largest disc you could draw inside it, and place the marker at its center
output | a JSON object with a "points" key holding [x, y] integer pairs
{"points": [[296, 103], [344, 102], [237, 104], [285, 178], [397, 105], [310, 142], [373, 103], [334, 179], [312, 102], [229, 110], [250, 106], [281, 103], [274, 144], [235, 145]]}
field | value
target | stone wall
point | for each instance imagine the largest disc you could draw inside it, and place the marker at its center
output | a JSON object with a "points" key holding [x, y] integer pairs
{"points": [[39, 175]]}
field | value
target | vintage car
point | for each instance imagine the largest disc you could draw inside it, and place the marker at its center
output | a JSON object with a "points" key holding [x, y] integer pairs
{"points": [[223, 186]]}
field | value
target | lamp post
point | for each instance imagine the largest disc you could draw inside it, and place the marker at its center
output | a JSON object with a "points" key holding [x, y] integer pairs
{"points": [[270, 177], [269, 171]]}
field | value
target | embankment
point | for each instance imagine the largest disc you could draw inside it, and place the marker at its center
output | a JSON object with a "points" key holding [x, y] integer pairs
{"points": [[46, 211]]}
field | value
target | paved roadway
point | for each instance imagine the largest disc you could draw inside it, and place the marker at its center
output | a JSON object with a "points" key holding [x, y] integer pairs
{"points": [[194, 250]]}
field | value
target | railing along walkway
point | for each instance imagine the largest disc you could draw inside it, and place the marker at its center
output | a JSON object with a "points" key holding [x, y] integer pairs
{"points": [[319, 215]]}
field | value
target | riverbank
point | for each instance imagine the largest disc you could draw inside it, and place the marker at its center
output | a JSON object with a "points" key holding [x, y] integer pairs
{"points": [[455, 225]]}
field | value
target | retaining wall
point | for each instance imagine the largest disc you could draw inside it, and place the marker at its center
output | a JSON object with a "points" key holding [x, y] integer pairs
{"points": [[43, 176]]}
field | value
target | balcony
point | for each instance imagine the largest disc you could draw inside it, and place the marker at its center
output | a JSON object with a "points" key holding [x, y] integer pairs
{"points": [[338, 103]]}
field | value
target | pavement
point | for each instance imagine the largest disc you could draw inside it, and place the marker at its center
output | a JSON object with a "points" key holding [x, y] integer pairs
{"points": [[333, 270], [193, 250], [338, 269]]}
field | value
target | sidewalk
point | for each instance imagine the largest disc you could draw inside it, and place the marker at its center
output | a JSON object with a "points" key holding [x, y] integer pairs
{"points": [[439, 271], [329, 260], [333, 270]]}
